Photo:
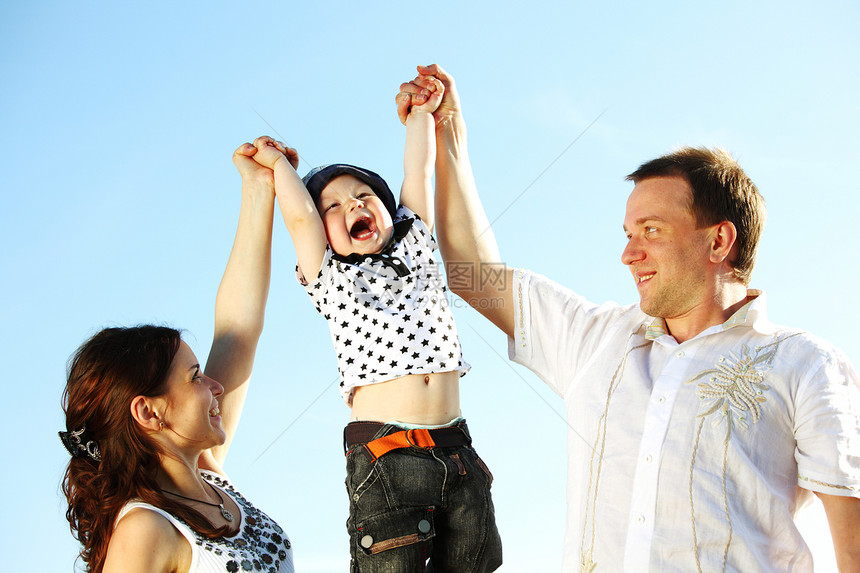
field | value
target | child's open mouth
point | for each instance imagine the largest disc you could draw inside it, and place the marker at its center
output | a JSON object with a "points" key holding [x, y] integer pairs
{"points": [[362, 229]]}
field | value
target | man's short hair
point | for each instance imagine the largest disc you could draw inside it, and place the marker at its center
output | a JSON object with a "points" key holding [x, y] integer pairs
{"points": [[721, 192]]}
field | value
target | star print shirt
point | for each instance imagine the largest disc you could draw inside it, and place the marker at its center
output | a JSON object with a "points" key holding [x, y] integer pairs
{"points": [[260, 544], [388, 313], [688, 457]]}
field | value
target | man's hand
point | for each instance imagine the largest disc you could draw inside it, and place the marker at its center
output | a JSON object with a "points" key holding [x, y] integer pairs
{"points": [[419, 90]]}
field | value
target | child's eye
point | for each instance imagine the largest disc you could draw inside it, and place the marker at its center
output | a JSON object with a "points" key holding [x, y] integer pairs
{"points": [[331, 206]]}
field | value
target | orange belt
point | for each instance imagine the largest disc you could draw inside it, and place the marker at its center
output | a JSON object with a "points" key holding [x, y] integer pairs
{"points": [[359, 432], [420, 439]]}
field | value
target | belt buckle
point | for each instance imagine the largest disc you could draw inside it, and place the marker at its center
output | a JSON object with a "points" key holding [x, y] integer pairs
{"points": [[410, 439]]}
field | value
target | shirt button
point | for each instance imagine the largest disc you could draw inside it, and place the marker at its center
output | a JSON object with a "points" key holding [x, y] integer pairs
{"points": [[661, 399], [640, 520], [680, 354], [649, 458]]}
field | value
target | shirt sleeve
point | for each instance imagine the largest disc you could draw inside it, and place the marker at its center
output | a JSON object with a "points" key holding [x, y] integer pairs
{"points": [[827, 425], [556, 331], [317, 288]]}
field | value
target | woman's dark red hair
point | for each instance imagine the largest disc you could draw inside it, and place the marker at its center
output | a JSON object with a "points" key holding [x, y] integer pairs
{"points": [[104, 375]]}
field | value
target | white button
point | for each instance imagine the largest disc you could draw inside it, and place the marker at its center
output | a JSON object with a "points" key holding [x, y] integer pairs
{"points": [[649, 458], [680, 354], [640, 520], [366, 541], [661, 399]]}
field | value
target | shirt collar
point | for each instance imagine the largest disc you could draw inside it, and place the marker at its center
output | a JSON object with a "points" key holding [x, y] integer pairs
{"points": [[400, 230], [753, 315]]}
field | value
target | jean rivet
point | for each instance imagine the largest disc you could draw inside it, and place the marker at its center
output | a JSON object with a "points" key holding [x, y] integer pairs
{"points": [[424, 526], [366, 541], [355, 497]]}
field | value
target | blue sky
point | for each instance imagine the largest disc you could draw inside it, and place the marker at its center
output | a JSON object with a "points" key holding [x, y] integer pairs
{"points": [[121, 203]]}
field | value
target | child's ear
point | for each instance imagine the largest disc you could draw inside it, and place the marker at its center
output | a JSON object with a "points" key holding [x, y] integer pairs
{"points": [[145, 413]]}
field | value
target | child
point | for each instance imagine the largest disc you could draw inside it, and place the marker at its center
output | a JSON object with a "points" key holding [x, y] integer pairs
{"points": [[418, 490]]}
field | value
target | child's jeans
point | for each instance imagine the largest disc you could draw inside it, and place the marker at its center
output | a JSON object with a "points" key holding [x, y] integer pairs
{"points": [[415, 505]]}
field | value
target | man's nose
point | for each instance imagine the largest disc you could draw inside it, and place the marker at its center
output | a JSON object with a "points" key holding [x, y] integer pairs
{"points": [[632, 252]]}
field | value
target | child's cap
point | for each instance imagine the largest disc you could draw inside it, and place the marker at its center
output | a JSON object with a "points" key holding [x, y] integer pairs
{"points": [[318, 177]]}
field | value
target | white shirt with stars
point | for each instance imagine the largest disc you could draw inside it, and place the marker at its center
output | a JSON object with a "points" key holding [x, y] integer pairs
{"points": [[388, 313]]}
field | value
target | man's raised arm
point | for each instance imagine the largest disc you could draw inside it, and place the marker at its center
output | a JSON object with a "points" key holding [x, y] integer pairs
{"points": [[466, 241]]}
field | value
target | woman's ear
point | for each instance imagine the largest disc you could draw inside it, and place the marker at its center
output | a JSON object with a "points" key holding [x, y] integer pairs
{"points": [[144, 412]]}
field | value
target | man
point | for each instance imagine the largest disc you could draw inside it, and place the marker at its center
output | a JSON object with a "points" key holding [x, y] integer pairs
{"points": [[694, 419]]}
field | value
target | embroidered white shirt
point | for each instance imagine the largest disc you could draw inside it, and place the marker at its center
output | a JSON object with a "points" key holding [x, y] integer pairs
{"points": [[687, 457], [386, 324]]}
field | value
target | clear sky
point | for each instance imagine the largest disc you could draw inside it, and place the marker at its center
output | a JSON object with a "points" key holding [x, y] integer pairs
{"points": [[120, 204]]}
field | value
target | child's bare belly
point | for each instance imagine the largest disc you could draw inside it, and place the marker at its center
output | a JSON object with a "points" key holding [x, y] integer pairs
{"points": [[415, 399]]}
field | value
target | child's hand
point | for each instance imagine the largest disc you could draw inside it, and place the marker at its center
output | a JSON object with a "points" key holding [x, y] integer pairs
{"points": [[427, 104], [415, 92], [270, 151]]}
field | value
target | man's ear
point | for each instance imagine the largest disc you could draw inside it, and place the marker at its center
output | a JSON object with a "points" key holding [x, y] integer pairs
{"points": [[723, 238], [144, 412]]}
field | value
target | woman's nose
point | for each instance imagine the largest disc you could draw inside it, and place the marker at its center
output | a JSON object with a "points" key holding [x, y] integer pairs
{"points": [[217, 388]]}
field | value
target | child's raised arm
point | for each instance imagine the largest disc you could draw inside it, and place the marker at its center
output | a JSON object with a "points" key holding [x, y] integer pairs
{"points": [[420, 154], [297, 208]]}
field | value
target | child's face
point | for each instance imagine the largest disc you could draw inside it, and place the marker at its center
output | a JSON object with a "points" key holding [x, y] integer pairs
{"points": [[355, 219]]}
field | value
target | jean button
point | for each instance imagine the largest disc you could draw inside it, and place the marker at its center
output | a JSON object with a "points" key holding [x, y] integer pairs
{"points": [[424, 526], [366, 541]]}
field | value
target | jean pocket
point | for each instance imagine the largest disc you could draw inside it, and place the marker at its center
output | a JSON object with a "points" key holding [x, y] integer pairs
{"points": [[393, 529], [486, 469]]}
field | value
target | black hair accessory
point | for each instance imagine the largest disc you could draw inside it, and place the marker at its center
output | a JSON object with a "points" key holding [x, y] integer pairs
{"points": [[81, 444]]}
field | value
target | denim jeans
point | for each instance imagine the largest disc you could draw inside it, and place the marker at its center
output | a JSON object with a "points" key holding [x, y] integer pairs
{"points": [[413, 506]]}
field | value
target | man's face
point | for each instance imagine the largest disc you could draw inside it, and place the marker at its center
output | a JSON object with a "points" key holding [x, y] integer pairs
{"points": [[666, 252], [355, 219]]}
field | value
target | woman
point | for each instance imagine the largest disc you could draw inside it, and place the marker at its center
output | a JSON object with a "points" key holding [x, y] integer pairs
{"points": [[148, 431]]}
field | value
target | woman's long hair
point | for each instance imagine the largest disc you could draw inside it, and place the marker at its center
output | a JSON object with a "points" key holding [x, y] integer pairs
{"points": [[104, 375]]}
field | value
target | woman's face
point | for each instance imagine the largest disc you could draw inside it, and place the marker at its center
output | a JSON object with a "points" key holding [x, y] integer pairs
{"points": [[191, 414]]}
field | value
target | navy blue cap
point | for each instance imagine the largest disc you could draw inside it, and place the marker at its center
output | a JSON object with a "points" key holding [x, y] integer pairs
{"points": [[319, 177]]}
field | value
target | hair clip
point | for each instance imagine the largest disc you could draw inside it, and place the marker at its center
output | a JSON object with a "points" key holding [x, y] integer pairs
{"points": [[80, 444]]}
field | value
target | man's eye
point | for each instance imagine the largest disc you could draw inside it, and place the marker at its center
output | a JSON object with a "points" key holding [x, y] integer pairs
{"points": [[649, 230]]}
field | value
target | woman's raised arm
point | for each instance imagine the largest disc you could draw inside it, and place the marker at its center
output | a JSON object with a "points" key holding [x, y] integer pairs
{"points": [[241, 301]]}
